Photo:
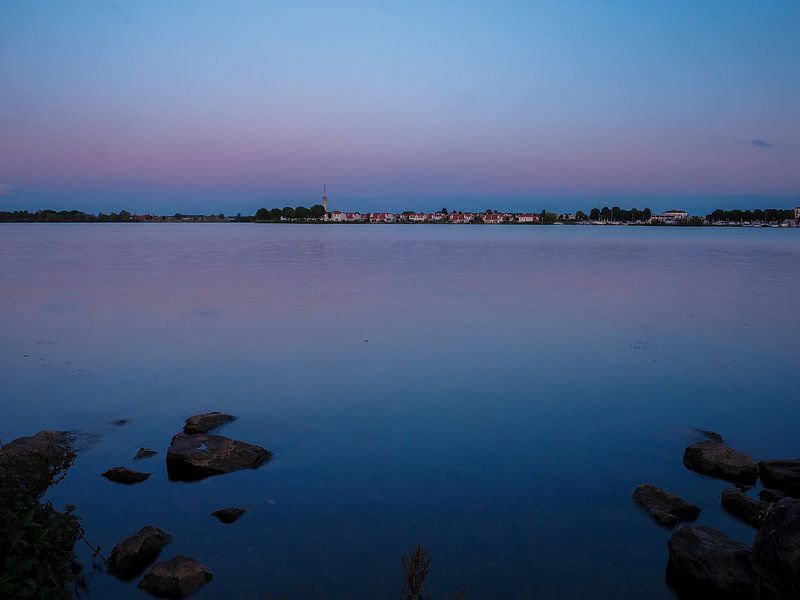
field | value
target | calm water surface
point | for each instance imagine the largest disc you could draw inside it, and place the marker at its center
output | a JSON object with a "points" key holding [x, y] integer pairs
{"points": [[494, 393]]}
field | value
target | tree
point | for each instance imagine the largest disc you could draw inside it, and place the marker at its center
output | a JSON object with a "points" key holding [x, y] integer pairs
{"points": [[262, 214], [580, 216], [444, 210], [605, 213], [275, 214], [594, 214], [316, 211], [301, 212], [646, 214], [287, 212]]}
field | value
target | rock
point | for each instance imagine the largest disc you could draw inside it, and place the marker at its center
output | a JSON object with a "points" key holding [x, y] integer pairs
{"points": [[125, 475], [707, 563], [781, 474], [771, 495], [193, 457], [711, 435], [665, 508], [228, 515], [132, 555], [144, 453], [206, 422], [776, 551], [175, 578], [120, 422], [29, 464], [743, 506], [719, 460]]}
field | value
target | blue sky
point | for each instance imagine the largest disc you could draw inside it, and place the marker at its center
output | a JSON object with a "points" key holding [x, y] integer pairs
{"points": [[200, 106]]}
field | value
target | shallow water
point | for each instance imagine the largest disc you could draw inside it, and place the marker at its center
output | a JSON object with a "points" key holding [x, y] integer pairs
{"points": [[491, 392]]}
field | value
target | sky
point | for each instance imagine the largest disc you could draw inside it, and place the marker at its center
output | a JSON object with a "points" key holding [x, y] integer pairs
{"points": [[228, 106]]}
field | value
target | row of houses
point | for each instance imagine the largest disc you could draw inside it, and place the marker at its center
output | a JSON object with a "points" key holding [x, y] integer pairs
{"points": [[337, 216]]}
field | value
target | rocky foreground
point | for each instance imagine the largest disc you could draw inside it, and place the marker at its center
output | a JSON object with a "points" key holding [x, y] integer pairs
{"points": [[706, 563]]}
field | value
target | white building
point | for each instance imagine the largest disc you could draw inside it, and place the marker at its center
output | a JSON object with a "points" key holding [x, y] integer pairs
{"points": [[670, 216]]}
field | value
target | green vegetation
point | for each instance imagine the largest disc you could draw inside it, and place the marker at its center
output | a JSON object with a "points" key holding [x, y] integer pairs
{"points": [[62, 216], [617, 214], [36, 540]]}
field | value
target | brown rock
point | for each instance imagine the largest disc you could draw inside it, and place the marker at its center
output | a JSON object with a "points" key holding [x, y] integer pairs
{"points": [[175, 578], [776, 551], [667, 509], [132, 555], [193, 457], [781, 474], [708, 563], [206, 422], [125, 475], [228, 515], [743, 506], [719, 460]]}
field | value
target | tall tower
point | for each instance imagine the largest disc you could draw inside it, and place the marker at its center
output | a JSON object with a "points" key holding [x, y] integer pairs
{"points": [[324, 198]]}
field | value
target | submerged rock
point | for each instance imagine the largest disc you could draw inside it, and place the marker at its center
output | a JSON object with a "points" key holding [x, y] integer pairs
{"points": [[665, 508], [719, 460], [193, 457], [132, 555], [706, 563], [776, 551], [125, 475], [175, 578], [743, 506], [228, 515], [206, 422], [144, 453], [781, 474]]}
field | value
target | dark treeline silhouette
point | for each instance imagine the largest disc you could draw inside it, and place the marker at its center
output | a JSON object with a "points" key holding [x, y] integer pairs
{"points": [[767, 215], [617, 214], [287, 213], [62, 216]]}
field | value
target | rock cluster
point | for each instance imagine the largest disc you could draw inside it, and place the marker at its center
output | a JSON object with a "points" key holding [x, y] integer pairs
{"points": [[704, 562], [193, 454]]}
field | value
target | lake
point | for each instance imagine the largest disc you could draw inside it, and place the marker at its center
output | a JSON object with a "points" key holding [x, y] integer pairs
{"points": [[493, 393]]}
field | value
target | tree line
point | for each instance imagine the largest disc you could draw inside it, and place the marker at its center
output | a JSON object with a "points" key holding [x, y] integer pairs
{"points": [[287, 213], [63, 216], [768, 215]]}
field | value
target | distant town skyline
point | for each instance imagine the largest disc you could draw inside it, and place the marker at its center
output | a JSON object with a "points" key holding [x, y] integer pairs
{"points": [[206, 107]]}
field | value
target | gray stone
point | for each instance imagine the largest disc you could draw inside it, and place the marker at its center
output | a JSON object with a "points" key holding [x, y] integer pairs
{"points": [[206, 422], [706, 563], [129, 558], [125, 475], [719, 460], [667, 509], [193, 457], [781, 474], [175, 578], [776, 551]]}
